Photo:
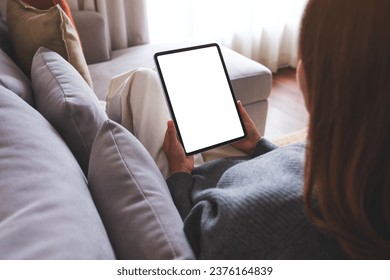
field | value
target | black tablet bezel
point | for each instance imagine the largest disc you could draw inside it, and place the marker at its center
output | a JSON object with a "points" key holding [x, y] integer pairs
{"points": [[172, 111]]}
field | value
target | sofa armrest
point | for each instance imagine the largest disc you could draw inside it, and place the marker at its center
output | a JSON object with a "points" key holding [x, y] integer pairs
{"points": [[91, 28]]}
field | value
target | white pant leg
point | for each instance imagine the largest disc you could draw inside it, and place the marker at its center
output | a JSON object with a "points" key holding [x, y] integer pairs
{"points": [[137, 102], [150, 115]]}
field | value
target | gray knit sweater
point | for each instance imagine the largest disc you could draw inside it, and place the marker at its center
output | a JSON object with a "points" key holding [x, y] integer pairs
{"points": [[250, 208]]}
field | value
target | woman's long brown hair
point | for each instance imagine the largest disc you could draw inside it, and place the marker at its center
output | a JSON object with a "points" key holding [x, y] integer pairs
{"points": [[345, 50]]}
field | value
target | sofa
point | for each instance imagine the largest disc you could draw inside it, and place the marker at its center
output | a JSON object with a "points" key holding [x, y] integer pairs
{"points": [[251, 81], [73, 183]]}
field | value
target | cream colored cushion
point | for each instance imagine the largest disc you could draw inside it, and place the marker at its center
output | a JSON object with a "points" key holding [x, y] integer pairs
{"points": [[31, 29]]}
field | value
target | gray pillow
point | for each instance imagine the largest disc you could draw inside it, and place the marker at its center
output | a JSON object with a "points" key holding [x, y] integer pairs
{"points": [[133, 199], [46, 209], [12, 78], [64, 98]]}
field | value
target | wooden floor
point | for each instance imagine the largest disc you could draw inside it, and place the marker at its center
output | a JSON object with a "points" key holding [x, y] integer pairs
{"points": [[286, 111]]}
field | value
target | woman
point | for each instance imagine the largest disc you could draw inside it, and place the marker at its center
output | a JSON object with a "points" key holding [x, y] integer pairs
{"points": [[253, 208], [346, 52]]}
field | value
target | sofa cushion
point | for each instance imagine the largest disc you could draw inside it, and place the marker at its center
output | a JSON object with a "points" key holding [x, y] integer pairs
{"points": [[91, 27], [12, 78], [133, 199], [46, 210], [31, 28], [67, 102]]}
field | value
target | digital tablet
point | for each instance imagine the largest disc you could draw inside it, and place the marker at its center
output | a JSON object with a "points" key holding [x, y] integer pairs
{"points": [[200, 97]]}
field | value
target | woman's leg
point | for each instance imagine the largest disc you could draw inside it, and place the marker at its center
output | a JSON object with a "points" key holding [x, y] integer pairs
{"points": [[137, 102]]}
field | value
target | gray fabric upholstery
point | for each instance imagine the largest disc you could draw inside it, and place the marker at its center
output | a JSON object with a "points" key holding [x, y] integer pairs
{"points": [[258, 112], [133, 198], [251, 81], [90, 26], [46, 210], [67, 102], [12, 78]]}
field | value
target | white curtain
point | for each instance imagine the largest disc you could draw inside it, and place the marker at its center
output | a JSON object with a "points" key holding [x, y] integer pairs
{"points": [[126, 20], [264, 30]]}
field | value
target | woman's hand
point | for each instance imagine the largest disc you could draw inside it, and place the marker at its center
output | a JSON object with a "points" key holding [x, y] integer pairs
{"points": [[178, 161], [248, 144]]}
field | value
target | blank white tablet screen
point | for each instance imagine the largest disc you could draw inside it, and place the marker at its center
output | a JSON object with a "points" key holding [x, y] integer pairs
{"points": [[200, 97]]}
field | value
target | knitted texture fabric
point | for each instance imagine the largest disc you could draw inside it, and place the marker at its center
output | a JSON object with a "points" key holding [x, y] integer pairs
{"points": [[250, 208]]}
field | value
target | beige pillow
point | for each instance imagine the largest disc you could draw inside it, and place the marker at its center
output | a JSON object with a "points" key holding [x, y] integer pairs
{"points": [[31, 29]]}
